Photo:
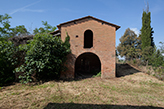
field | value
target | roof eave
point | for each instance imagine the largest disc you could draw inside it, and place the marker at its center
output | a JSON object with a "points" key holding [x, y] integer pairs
{"points": [[116, 26]]}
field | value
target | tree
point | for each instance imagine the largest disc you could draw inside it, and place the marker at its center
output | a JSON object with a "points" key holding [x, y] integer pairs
{"points": [[161, 47], [129, 46], [4, 26], [46, 29], [156, 59], [147, 43], [6, 31], [8, 52], [146, 30], [19, 31]]}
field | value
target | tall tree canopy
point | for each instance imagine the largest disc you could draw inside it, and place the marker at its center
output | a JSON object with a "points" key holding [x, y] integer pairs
{"points": [[129, 46], [146, 30], [4, 25], [6, 31], [46, 29]]}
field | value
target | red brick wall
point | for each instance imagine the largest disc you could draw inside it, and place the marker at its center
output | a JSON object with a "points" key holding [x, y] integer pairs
{"points": [[103, 45]]}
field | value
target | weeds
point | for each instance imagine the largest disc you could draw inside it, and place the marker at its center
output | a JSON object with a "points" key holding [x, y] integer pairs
{"points": [[97, 75], [17, 93], [92, 91]]}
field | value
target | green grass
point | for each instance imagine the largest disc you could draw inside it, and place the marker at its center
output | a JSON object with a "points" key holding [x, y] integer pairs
{"points": [[88, 93], [16, 93]]}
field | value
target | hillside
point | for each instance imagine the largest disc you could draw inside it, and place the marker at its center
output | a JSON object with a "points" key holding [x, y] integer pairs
{"points": [[130, 90]]}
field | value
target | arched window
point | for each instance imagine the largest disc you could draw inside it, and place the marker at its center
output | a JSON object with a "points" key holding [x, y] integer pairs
{"points": [[88, 39]]}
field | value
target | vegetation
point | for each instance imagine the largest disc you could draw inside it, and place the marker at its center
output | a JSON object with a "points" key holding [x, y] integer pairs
{"points": [[43, 59], [4, 26], [133, 91], [130, 45], [150, 54], [40, 59], [147, 44], [141, 50], [6, 31], [161, 47], [7, 62], [97, 75], [8, 51], [146, 30], [45, 55], [46, 29]]}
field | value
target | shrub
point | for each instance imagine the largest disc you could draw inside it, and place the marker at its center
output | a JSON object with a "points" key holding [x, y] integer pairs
{"points": [[157, 59], [7, 62], [44, 58]]}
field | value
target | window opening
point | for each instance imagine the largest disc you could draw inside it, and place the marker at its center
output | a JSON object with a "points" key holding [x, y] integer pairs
{"points": [[88, 39]]}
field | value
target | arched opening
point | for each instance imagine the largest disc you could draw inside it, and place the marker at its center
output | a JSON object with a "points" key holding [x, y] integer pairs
{"points": [[87, 65], [88, 39]]}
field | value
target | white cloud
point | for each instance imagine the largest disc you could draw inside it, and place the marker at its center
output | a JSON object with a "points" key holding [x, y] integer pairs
{"points": [[136, 31], [30, 10], [24, 8]]}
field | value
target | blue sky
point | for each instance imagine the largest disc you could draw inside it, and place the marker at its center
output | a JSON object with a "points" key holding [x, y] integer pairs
{"points": [[125, 13]]}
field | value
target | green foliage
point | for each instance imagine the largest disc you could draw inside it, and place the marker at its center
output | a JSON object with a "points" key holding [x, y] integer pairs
{"points": [[4, 26], [116, 53], [46, 29], [147, 53], [45, 55], [97, 75], [161, 47], [66, 42], [7, 62], [41, 58], [156, 59], [130, 45], [19, 31], [6, 31], [146, 31]]}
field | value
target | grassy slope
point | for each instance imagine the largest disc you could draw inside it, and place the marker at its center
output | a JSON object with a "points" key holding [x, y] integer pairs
{"points": [[136, 90]]}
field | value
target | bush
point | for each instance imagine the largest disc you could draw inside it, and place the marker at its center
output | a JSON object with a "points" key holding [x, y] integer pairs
{"points": [[7, 62], [157, 59], [44, 58]]}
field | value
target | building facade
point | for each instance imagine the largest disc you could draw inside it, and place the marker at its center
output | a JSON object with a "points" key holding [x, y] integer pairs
{"points": [[92, 47]]}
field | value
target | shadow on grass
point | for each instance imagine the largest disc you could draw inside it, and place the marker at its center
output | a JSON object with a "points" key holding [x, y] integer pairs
{"points": [[125, 69], [121, 70], [95, 106]]}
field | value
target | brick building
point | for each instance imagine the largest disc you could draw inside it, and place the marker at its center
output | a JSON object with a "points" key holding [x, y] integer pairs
{"points": [[92, 45]]}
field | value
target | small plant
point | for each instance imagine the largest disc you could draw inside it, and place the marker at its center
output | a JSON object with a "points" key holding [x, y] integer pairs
{"points": [[17, 93], [134, 61], [97, 75], [148, 72]]}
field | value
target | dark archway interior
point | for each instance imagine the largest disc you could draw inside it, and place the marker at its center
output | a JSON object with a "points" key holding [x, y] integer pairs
{"points": [[88, 39], [87, 65]]}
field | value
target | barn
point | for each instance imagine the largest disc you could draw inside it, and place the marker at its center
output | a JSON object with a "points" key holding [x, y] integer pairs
{"points": [[92, 47]]}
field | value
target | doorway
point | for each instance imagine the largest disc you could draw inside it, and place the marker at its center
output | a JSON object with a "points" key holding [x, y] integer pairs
{"points": [[87, 65]]}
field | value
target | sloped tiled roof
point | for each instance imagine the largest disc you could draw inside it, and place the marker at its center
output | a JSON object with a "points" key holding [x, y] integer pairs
{"points": [[89, 17]]}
